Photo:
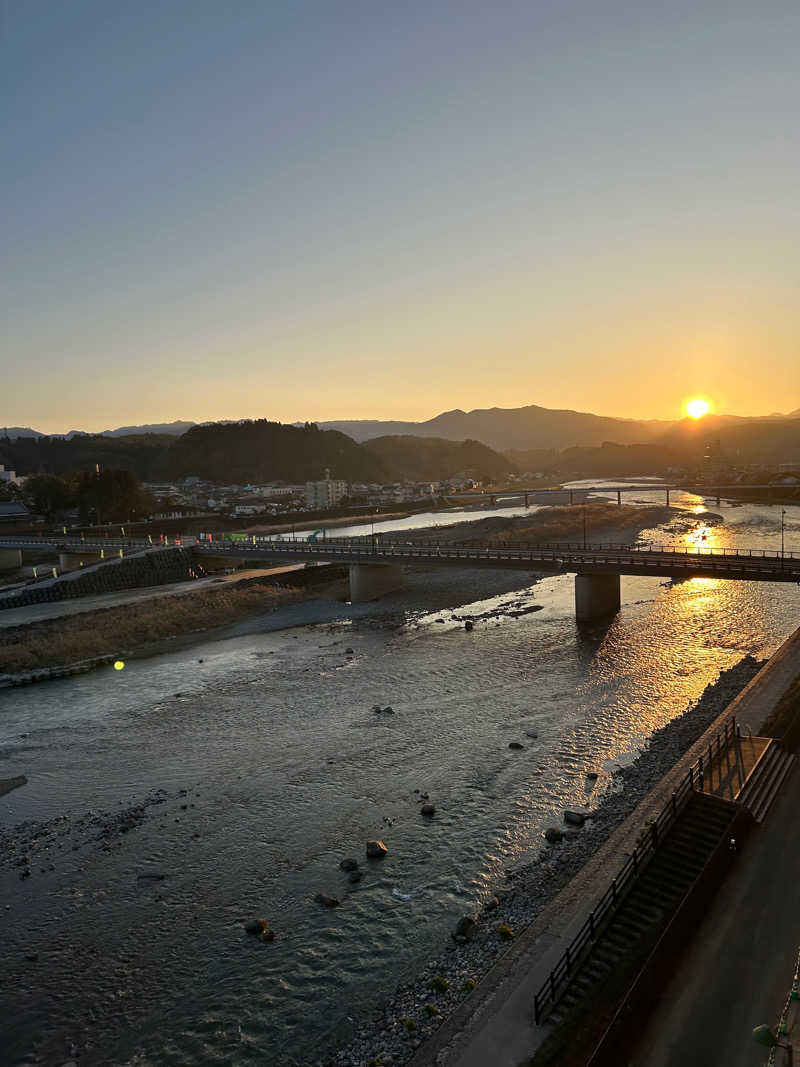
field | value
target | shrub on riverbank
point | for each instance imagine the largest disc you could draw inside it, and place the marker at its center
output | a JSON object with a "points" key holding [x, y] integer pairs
{"points": [[72, 638], [567, 523]]}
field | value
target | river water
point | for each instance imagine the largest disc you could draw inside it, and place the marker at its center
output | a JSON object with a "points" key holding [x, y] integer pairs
{"points": [[287, 769]]}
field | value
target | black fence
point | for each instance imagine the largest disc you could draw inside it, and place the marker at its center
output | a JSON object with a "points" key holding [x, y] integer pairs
{"points": [[576, 951]]}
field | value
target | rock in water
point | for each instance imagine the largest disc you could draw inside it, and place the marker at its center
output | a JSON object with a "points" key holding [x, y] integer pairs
{"points": [[355, 876], [515, 745], [468, 626], [428, 809], [329, 902], [349, 864], [376, 849], [574, 818], [553, 834], [256, 926], [466, 927]]}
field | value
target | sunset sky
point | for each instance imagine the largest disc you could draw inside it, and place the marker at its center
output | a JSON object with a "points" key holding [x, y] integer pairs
{"points": [[363, 210]]}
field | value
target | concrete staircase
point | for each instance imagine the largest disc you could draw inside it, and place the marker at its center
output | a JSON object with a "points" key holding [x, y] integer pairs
{"points": [[765, 780], [602, 978]]}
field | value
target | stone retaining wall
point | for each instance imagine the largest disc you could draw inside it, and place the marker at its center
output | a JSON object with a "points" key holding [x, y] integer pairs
{"points": [[158, 566]]}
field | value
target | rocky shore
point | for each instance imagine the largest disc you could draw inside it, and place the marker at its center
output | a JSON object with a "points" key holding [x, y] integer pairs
{"points": [[400, 1026]]}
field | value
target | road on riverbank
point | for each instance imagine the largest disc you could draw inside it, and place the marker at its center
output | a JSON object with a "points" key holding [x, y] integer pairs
{"points": [[737, 970]]}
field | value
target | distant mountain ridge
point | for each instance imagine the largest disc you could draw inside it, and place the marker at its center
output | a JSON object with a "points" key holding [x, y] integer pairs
{"points": [[505, 428], [520, 429]]}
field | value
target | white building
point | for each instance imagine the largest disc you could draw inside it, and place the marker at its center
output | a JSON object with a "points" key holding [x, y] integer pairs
{"points": [[325, 494], [9, 476]]}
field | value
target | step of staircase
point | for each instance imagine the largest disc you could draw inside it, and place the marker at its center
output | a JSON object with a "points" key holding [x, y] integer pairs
{"points": [[768, 775], [642, 914]]}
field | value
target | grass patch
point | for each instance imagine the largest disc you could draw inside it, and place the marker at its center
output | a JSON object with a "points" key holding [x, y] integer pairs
{"points": [[440, 984], [71, 638]]}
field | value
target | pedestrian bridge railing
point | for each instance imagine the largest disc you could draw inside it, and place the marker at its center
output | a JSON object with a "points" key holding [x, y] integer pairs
{"points": [[695, 780]]}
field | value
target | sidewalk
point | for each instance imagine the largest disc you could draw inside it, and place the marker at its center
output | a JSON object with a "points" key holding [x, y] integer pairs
{"points": [[737, 970]]}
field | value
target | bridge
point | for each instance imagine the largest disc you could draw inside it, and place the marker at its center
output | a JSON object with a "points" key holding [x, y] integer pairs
{"points": [[376, 565], [579, 493]]}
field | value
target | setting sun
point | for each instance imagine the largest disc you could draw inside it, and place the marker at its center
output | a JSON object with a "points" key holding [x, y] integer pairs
{"points": [[697, 407]]}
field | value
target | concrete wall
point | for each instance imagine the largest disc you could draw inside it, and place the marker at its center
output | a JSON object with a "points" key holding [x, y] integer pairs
{"points": [[596, 596], [368, 581], [10, 559]]}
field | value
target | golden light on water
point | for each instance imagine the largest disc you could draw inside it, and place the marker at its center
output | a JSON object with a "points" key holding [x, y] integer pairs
{"points": [[697, 407]]}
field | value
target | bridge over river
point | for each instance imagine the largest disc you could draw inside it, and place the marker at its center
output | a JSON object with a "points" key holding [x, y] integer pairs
{"points": [[376, 566]]}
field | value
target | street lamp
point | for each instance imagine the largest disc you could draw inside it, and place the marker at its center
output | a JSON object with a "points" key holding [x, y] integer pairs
{"points": [[762, 1035]]}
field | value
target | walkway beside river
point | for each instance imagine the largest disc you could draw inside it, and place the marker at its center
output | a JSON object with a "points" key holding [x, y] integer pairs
{"points": [[496, 1025]]}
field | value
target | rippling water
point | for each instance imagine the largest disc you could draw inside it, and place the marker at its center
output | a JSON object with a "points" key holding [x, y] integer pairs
{"points": [[287, 769]]}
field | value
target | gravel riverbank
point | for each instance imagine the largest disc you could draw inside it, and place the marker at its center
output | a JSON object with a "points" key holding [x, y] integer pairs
{"points": [[418, 1007]]}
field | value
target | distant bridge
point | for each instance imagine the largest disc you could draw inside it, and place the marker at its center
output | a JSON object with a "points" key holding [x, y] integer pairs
{"points": [[376, 566], [580, 492]]}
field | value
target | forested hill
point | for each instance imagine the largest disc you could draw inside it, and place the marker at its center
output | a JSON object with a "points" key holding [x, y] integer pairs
{"points": [[254, 452], [262, 451], [432, 459]]}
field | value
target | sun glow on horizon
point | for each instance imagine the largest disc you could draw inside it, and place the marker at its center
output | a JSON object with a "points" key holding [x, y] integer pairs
{"points": [[697, 407]]}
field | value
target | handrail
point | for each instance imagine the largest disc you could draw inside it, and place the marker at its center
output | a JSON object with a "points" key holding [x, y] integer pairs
{"points": [[693, 781], [793, 994]]}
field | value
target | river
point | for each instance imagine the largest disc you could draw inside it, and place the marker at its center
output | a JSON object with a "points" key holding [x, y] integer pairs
{"points": [[287, 769]]}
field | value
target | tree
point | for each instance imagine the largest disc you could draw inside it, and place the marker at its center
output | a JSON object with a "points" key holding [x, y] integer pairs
{"points": [[112, 496], [47, 493]]}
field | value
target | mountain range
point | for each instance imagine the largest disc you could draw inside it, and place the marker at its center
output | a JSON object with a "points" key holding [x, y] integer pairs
{"points": [[529, 427]]}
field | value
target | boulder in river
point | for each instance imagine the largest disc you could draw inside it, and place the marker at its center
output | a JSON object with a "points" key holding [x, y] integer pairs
{"points": [[468, 626], [256, 926], [329, 902], [376, 849], [466, 927], [349, 864], [574, 818], [428, 809], [516, 745], [554, 834]]}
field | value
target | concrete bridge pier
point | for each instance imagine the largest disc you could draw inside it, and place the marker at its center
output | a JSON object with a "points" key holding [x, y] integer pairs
{"points": [[596, 596], [368, 581], [10, 559]]}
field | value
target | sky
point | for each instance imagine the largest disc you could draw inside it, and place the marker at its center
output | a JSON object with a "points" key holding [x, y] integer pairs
{"points": [[371, 210]]}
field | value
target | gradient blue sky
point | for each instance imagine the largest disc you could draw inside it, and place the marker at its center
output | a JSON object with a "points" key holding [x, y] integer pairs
{"points": [[312, 211]]}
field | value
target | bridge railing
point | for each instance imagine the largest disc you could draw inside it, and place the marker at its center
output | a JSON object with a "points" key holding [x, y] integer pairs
{"points": [[652, 834], [576, 547]]}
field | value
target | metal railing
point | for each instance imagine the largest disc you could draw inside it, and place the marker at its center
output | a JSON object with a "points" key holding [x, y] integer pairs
{"points": [[793, 995], [574, 954]]}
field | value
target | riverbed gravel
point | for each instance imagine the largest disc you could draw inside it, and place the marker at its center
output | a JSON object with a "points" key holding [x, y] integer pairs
{"points": [[399, 1026]]}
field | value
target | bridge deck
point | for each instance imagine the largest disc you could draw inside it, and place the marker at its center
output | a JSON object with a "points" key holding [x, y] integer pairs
{"points": [[664, 561]]}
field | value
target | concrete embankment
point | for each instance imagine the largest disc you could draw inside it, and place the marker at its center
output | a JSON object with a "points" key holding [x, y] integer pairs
{"points": [[496, 1025]]}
